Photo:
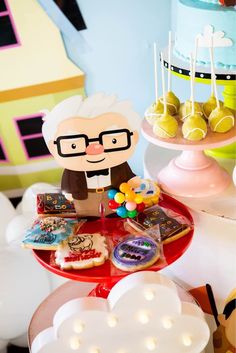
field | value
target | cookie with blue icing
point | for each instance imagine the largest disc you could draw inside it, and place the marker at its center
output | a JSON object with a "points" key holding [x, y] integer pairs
{"points": [[47, 233]]}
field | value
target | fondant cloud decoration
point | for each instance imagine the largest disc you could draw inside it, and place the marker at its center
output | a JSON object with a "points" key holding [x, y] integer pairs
{"points": [[218, 38], [142, 313]]}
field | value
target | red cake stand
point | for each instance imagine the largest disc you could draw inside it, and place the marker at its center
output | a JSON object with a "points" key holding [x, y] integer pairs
{"points": [[107, 274]]}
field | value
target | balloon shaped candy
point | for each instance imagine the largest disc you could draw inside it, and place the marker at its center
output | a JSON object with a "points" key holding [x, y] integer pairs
{"points": [[125, 202]]}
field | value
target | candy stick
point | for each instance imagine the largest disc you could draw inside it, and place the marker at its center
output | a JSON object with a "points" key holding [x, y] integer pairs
{"points": [[192, 79], [213, 76], [163, 84], [155, 71], [169, 62]]}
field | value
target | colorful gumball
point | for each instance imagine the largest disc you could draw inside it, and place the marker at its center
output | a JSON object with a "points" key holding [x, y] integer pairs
{"points": [[132, 214], [138, 199], [122, 212], [119, 197], [140, 207], [124, 187], [113, 205], [111, 193], [130, 205], [130, 195]]}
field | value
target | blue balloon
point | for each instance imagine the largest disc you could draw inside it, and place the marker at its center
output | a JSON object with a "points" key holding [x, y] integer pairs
{"points": [[111, 193], [121, 211]]}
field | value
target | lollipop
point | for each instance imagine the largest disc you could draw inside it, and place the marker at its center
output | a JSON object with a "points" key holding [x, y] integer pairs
{"points": [[166, 126], [194, 127], [125, 202]]}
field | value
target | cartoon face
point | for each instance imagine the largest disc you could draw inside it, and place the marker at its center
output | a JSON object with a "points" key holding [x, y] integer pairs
{"points": [[82, 144], [81, 243]]}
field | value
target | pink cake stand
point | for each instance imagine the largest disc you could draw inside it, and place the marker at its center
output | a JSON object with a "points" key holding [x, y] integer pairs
{"points": [[192, 173]]}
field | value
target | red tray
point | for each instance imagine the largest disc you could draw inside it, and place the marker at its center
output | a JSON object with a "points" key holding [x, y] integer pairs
{"points": [[114, 226]]}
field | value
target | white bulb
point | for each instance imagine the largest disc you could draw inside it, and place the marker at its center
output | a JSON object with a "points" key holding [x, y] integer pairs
{"points": [[167, 322], [151, 343], [112, 321], [78, 326], [187, 340], [149, 294], [95, 350], [143, 317], [75, 343]]}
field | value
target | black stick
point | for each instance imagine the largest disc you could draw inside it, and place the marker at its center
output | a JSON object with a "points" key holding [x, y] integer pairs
{"points": [[212, 303]]}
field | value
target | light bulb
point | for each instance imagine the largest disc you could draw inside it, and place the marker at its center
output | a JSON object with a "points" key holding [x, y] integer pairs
{"points": [[95, 350], [112, 321], [143, 317], [151, 343], [167, 322], [78, 326], [75, 343], [149, 294], [187, 340]]}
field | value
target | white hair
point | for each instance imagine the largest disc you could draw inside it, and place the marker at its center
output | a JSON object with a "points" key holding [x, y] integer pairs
{"points": [[77, 106]]}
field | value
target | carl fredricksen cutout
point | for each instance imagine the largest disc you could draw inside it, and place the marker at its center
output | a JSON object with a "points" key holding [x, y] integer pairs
{"points": [[92, 139]]}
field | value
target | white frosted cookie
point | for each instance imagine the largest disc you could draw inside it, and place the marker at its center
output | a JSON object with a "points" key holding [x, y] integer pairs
{"points": [[82, 251]]}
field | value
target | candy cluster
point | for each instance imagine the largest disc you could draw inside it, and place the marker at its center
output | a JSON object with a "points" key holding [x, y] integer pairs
{"points": [[125, 202]]}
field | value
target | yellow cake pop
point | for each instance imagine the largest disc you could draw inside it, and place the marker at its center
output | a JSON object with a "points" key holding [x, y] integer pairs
{"points": [[186, 109], [172, 102], [210, 105], [221, 119], [166, 126], [154, 112], [194, 128]]}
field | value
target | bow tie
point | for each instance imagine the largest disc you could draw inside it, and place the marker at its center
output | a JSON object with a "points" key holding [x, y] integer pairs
{"points": [[97, 172]]}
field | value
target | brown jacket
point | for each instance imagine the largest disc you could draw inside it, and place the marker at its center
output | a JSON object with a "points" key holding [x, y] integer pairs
{"points": [[74, 182]]}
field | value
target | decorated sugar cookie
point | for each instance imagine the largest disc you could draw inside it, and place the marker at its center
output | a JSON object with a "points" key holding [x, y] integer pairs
{"points": [[135, 253], [82, 251], [47, 233]]}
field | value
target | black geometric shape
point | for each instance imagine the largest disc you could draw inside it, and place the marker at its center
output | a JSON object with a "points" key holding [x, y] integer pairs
{"points": [[72, 11]]}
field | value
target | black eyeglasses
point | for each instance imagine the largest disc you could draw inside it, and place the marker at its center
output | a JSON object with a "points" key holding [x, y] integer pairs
{"points": [[75, 145]]}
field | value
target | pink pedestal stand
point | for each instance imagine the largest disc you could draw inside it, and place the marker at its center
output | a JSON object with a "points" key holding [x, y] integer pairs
{"points": [[192, 174]]}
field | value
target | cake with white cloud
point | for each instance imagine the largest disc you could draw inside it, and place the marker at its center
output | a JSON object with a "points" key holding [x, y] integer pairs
{"points": [[205, 19]]}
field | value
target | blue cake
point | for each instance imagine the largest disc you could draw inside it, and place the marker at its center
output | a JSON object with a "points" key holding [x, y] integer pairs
{"points": [[196, 17]]}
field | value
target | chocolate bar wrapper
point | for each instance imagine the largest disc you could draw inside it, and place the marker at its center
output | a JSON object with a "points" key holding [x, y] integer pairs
{"points": [[54, 204], [163, 224]]}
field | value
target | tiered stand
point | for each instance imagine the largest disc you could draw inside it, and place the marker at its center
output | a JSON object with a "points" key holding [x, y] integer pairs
{"points": [[107, 274]]}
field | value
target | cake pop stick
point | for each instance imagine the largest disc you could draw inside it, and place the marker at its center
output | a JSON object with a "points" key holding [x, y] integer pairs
{"points": [[221, 119], [192, 80], [190, 107], [169, 61], [163, 84], [213, 76], [155, 71], [194, 127], [166, 126], [156, 109]]}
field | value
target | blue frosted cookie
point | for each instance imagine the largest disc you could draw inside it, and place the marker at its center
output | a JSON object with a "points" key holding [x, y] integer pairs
{"points": [[47, 233], [135, 253]]}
